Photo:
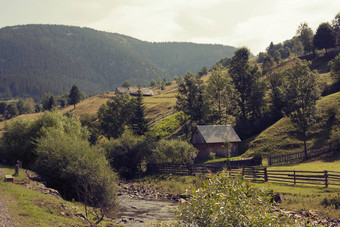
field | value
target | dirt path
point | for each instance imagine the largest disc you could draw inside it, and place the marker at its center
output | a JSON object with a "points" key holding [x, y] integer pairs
{"points": [[5, 219]]}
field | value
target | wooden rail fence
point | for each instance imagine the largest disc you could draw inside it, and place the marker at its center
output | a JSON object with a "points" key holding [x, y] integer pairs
{"points": [[321, 178], [189, 169], [296, 157]]}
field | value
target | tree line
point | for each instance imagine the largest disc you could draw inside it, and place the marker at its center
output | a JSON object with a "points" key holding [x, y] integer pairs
{"points": [[11, 109], [240, 96], [304, 42]]}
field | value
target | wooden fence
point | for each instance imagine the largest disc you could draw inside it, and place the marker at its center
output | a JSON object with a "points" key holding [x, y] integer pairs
{"points": [[189, 169], [320, 178], [296, 157]]}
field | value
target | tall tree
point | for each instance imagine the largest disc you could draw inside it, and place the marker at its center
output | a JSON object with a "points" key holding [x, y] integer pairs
{"points": [[324, 37], [74, 96], [302, 94], [305, 34], [138, 121], [51, 103], [277, 94], [190, 97], [114, 115], [245, 78], [336, 28], [221, 94]]}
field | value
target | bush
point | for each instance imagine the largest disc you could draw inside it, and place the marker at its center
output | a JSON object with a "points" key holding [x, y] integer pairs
{"points": [[332, 202], [68, 163], [174, 151], [20, 137], [225, 201], [128, 153]]}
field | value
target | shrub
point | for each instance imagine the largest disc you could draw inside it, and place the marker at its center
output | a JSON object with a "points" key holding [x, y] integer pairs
{"points": [[127, 153], [20, 137], [332, 202], [225, 201], [174, 151], [68, 163]]}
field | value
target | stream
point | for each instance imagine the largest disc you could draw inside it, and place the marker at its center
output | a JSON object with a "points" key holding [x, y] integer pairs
{"points": [[138, 212]]}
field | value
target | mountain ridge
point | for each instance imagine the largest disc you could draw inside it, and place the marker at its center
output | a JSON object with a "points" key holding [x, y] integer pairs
{"points": [[37, 59]]}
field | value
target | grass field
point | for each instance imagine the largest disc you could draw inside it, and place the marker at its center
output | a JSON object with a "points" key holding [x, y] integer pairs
{"points": [[29, 207], [282, 137]]}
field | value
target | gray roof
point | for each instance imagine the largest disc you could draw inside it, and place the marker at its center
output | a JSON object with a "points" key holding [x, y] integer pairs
{"points": [[134, 91], [218, 133]]}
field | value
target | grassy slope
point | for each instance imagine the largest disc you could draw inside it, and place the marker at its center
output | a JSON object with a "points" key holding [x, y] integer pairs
{"points": [[28, 207], [282, 137], [31, 208], [157, 107]]}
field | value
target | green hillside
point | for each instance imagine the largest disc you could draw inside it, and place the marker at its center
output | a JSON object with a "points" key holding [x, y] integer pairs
{"points": [[36, 59], [283, 137]]}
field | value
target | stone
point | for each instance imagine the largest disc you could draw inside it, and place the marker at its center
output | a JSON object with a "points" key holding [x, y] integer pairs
{"points": [[9, 178], [278, 198]]}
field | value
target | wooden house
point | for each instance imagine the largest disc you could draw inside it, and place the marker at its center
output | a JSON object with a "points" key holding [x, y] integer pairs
{"points": [[134, 91], [212, 138]]}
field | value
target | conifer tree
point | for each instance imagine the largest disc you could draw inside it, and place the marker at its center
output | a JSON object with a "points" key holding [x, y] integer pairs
{"points": [[74, 96], [138, 121]]}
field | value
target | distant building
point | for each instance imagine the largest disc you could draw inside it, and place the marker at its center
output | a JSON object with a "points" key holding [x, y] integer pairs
{"points": [[212, 138], [134, 91]]}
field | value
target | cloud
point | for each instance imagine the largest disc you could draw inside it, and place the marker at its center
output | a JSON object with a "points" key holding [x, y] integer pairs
{"points": [[231, 22]]}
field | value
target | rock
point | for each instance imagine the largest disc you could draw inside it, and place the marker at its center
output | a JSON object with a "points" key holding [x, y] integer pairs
{"points": [[80, 215], [64, 206], [278, 198]]}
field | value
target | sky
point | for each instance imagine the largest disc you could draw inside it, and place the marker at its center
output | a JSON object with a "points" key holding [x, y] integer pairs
{"points": [[238, 23]]}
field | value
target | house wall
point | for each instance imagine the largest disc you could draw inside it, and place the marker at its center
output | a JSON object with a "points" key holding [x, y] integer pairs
{"points": [[217, 148], [197, 138]]}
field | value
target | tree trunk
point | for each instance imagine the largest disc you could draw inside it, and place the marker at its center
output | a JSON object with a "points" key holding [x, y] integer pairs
{"points": [[305, 144]]}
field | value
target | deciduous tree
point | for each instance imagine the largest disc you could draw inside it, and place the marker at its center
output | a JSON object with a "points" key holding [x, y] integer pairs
{"points": [[305, 34], [302, 94], [324, 37]]}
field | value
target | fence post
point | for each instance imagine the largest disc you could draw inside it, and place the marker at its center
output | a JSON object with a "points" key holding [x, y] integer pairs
{"points": [[269, 160], [243, 172], [265, 174], [254, 173], [326, 179], [294, 178]]}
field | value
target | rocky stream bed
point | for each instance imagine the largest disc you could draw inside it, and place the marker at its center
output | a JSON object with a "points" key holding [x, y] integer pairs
{"points": [[142, 204]]}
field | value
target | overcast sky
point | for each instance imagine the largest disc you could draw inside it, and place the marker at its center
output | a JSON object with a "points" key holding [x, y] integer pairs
{"points": [[251, 23]]}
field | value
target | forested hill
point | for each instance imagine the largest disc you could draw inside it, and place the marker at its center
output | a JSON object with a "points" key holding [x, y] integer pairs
{"points": [[36, 59]]}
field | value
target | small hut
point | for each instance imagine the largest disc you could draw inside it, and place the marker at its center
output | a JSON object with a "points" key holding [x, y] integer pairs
{"points": [[213, 138], [134, 91]]}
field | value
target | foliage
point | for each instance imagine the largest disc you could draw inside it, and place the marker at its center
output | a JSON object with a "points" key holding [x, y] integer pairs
{"points": [[302, 94], [74, 96], [336, 27], [190, 98], [114, 115], [59, 56], [332, 202], [229, 201], [305, 34], [126, 83], [19, 138], [68, 163], [324, 37], [168, 125], [221, 98], [127, 153], [174, 151], [335, 67], [247, 84], [138, 122]]}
